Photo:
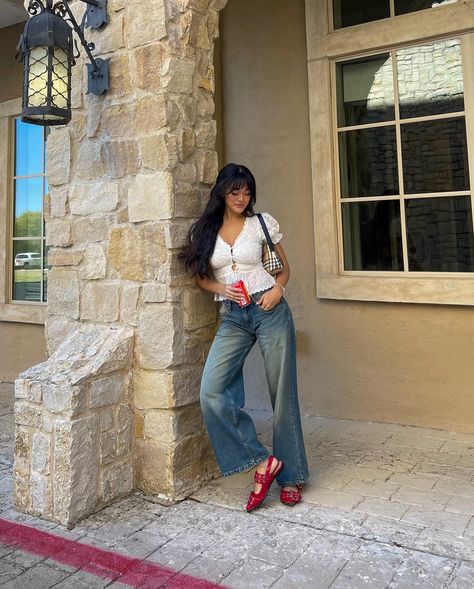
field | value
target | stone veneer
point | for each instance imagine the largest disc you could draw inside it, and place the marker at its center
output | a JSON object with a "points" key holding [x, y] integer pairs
{"points": [[127, 330], [74, 425]]}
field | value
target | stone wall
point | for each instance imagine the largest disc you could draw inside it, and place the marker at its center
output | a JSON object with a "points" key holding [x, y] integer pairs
{"points": [[127, 176]]}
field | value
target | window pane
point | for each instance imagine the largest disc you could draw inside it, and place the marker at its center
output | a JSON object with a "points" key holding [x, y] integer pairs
{"points": [[29, 149], [439, 233], [372, 235], [435, 156], [354, 12], [28, 207], [430, 79], [365, 90], [27, 270], [404, 6], [368, 162]]}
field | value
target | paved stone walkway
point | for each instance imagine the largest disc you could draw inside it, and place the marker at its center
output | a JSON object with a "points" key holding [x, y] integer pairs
{"points": [[387, 506]]}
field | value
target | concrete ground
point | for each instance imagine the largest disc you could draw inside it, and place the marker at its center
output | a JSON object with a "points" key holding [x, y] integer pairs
{"points": [[387, 506]]}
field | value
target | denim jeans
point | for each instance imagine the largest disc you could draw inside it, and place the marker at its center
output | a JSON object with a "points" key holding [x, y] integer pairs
{"points": [[231, 429]]}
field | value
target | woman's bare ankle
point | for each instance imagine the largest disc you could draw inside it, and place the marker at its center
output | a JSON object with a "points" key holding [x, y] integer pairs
{"points": [[262, 467]]}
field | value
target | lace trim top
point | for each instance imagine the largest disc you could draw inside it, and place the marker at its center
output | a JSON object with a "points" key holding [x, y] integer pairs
{"points": [[243, 260]]}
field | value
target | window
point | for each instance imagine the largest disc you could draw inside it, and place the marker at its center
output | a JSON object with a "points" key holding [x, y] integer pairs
{"points": [[397, 227], [404, 178], [354, 12], [29, 268]]}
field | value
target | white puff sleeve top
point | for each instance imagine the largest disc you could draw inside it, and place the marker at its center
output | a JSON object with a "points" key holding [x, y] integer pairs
{"points": [[243, 260]]}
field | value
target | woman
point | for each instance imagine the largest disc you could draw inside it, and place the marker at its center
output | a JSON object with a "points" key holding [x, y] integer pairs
{"points": [[225, 246]]}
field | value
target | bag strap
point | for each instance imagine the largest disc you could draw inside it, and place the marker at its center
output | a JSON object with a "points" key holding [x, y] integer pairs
{"points": [[265, 231]]}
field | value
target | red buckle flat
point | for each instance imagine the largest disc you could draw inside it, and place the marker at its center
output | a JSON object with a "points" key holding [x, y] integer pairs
{"points": [[256, 499], [291, 497]]}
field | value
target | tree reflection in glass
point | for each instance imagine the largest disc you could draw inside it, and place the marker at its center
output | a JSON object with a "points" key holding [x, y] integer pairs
{"points": [[28, 224]]}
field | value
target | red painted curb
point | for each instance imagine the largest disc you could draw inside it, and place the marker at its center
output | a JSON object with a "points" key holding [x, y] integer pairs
{"points": [[96, 561]]}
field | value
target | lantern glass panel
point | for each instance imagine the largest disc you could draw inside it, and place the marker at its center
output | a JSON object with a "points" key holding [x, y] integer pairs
{"points": [[60, 75], [38, 77]]}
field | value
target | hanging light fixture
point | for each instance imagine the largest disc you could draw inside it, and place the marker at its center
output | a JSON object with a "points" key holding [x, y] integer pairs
{"points": [[47, 51]]}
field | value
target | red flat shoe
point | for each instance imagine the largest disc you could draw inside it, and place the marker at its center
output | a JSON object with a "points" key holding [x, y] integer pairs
{"points": [[256, 499], [291, 497]]}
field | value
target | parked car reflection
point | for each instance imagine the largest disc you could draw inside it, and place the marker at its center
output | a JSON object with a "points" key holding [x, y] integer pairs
{"points": [[28, 260]]}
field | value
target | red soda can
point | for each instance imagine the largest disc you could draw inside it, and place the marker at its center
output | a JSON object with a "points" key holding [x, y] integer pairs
{"points": [[245, 300]]}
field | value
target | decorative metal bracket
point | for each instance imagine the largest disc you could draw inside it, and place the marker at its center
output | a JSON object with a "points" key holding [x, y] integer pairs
{"points": [[98, 77], [96, 14]]}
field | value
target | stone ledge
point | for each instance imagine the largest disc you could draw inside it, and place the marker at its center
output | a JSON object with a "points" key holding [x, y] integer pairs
{"points": [[59, 473]]}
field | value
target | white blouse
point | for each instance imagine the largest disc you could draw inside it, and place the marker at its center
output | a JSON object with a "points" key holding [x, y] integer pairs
{"points": [[243, 260]]}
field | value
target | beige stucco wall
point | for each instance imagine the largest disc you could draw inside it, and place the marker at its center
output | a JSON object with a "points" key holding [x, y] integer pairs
{"points": [[21, 346], [10, 70], [401, 363]]}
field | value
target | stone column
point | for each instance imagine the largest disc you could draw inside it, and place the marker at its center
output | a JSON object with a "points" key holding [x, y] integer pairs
{"points": [[173, 455], [127, 177]]}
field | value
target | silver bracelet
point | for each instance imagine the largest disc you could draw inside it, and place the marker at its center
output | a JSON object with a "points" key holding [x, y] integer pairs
{"points": [[281, 286]]}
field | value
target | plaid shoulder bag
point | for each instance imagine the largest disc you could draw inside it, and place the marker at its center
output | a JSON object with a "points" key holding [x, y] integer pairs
{"points": [[272, 262]]}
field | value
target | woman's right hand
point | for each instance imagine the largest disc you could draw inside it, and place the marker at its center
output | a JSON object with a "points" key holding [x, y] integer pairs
{"points": [[231, 293]]}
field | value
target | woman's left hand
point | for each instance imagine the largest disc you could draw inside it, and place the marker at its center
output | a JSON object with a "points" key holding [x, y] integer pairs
{"points": [[271, 298]]}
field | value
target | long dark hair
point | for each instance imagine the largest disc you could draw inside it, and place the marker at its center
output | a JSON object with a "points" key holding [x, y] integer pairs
{"points": [[203, 233]]}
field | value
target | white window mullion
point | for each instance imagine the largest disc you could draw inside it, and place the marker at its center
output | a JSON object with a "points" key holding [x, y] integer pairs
{"points": [[424, 119], [401, 184], [419, 195], [337, 178], [467, 48], [43, 158]]}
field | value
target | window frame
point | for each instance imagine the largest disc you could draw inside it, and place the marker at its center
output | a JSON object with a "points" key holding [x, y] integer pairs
{"points": [[325, 47], [11, 310], [42, 237]]}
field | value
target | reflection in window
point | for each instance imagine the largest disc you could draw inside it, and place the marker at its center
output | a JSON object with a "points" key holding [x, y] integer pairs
{"points": [[28, 155], [27, 262], [430, 154], [28, 207], [435, 156], [372, 235], [405, 6], [440, 235], [354, 12], [430, 79], [368, 162], [29, 187], [365, 90]]}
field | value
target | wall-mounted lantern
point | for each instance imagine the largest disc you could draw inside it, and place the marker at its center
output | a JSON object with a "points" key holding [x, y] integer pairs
{"points": [[46, 48]]}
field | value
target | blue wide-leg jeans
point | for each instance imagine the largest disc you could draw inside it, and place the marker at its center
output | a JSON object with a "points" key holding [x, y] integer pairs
{"points": [[231, 429]]}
